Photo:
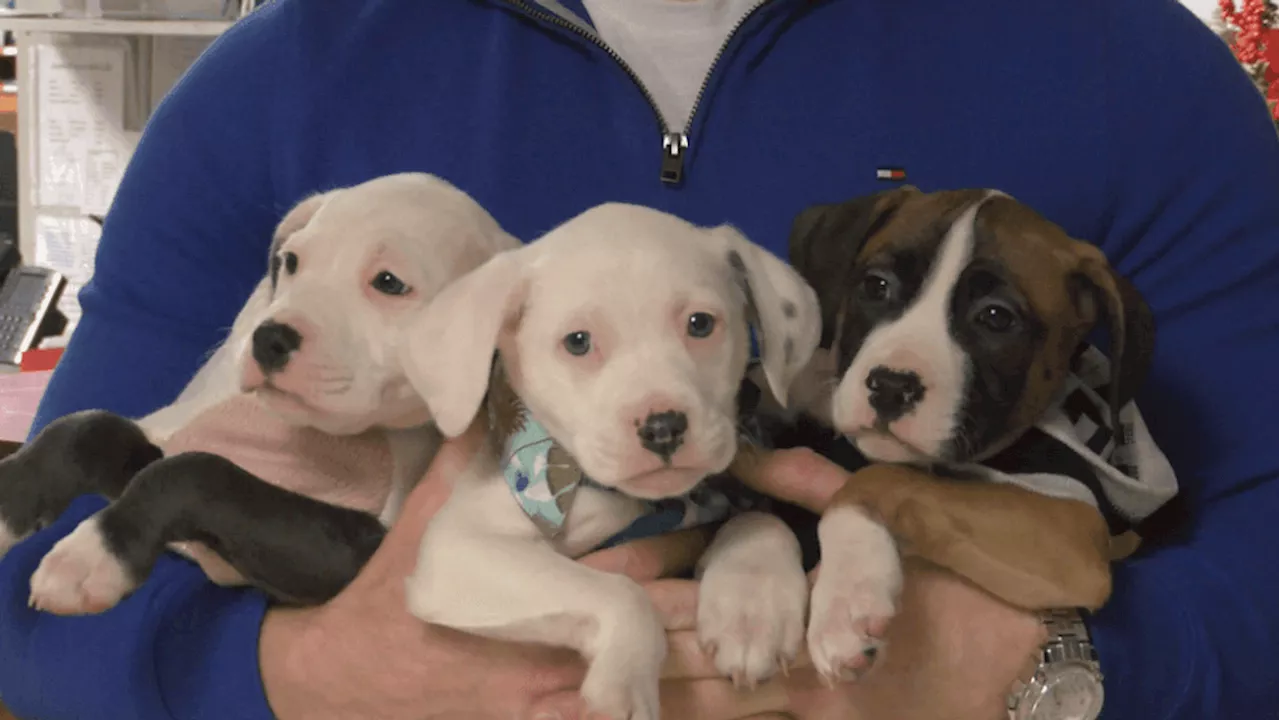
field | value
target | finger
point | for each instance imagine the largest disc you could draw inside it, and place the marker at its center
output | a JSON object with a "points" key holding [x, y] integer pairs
{"points": [[686, 660], [399, 550], [797, 475], [812, 696], [676, 602], [718, 699], [653, 557], [452, 459], [702, 699]]}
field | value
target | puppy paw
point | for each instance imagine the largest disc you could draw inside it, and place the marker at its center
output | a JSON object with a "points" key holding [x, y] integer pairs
{"points": [[620, 688], [855, 595], [751, 616], [79, 575], [622, 678], [846, 627], [8, 538]]}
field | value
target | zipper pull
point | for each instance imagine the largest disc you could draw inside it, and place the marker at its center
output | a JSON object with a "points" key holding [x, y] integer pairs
{"points": [[674, 146]]}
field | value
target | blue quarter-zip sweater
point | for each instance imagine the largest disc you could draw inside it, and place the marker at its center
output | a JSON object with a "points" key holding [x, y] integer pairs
{"points": [[1125, 121]]}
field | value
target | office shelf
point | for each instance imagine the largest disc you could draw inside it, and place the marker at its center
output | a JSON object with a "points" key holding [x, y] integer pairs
{"points": [[113, 26]]}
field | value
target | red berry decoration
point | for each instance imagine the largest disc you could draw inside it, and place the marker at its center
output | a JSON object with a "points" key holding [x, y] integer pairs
{"points": [[1253, 28]]}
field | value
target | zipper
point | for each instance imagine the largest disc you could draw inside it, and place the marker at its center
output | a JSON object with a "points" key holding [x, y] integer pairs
{"points": [[675, 145], [677, 163]]}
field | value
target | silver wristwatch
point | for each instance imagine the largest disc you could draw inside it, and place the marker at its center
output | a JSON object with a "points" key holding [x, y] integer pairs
{"points": [[1067, 684]]}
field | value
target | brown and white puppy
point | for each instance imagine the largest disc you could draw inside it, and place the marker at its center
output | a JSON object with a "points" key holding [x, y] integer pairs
{"points": [[950, 323]]}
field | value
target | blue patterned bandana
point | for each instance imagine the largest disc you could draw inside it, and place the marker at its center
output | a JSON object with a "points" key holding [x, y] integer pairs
{"points": [[544, 478], [541, 475]]}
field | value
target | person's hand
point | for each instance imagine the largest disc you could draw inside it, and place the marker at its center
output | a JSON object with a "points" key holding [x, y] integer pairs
{"points": [[953, 651], [363, 655], [691, 686]]}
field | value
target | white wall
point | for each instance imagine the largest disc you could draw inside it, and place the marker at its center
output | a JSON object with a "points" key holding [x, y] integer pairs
{"points": [[1203, 9]]}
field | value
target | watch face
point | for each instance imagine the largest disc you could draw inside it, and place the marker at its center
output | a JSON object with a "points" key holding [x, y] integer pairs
{"points": [[1070, 692]]}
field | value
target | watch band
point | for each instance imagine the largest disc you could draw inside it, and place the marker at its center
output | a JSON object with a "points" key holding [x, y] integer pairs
{"points": [[1068, 642], [1068, 638]]}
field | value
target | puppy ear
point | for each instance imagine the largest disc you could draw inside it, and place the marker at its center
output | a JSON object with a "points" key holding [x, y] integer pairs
{"points": [[781, 306], [826, 240], [448, 354], [293, 221], [1129, 320]]}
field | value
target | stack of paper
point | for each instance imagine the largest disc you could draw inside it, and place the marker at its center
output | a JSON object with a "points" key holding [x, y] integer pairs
{"points": [[82, 148], [68, 245], [80, 111], [92, 95]]}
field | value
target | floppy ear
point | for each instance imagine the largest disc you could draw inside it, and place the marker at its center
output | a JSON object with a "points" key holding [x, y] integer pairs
{"points": [[1130, 324], [781, 306], [826, 239], [293, 221], [448, 354]]}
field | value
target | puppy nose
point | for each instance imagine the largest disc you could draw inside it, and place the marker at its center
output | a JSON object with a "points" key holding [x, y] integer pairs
{"points": [[662, 433], [273, 342], [893, 392]]}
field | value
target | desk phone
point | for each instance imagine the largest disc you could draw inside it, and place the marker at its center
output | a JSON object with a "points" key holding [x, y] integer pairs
{"points": [[27, 305]]}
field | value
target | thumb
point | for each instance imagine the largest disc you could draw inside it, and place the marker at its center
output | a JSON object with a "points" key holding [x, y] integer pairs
{"points": [[797, 475], [451, 460], [399, 549]]}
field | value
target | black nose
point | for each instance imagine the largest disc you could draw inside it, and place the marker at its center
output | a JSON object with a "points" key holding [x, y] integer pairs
{"points": [[662, 433], [272, 344], [893, 392]]}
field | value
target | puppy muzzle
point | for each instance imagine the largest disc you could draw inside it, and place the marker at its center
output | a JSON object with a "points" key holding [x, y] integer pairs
{"points": [[893, 393], [273, 344], [662, 433]]}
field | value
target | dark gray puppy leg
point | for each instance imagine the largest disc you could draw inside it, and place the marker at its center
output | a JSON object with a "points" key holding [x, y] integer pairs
{"points": [[86, 452], [298, 549]]}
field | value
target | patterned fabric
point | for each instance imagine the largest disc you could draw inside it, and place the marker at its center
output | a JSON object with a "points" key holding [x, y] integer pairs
{"points": [[544, 479], [1070, 453], [1073, 453], [541, 476]]}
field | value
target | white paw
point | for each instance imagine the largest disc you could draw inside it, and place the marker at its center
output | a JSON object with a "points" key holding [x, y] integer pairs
{"points": [[620, 688], [7, 538], [751, 609], [79, 575], [626, 658], [855, 596]]}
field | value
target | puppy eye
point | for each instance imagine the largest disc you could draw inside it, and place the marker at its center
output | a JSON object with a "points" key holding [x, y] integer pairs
{"points": [[388, 284], [701, 325], [578, 343], [996, 318], [290, 263], [878, 286]]}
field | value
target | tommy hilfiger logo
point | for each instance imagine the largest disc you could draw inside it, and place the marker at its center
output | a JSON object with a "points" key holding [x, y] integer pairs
{"points": [[891, 173]]}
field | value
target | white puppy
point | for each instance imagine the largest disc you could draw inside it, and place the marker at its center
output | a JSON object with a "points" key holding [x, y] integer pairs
{"points": [[623, 336], [308, 394], [347, 268]]}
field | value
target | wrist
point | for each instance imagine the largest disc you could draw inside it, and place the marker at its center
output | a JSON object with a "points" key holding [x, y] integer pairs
{"points": [[953, 652], [1066, 682]]}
